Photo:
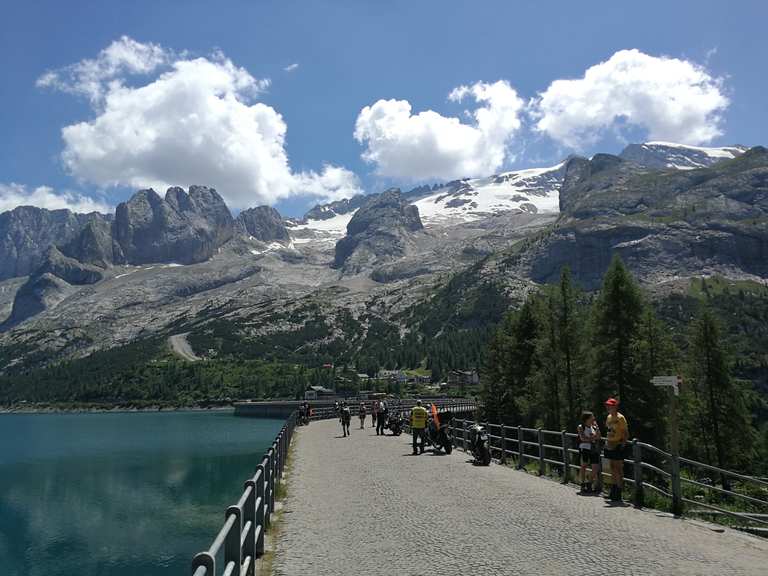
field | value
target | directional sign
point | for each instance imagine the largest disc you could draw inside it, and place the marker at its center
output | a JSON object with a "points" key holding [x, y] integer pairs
{"points": [[673, 381]]}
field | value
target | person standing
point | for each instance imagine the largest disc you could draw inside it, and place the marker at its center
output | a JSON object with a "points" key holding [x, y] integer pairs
{"points": [[346, 418], [589, 451], [361, 414], [418, 425], [381, 418], [617, 436], [374, 412]]}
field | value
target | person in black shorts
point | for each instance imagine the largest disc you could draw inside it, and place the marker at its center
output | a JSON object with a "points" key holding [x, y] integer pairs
{"points": [[589, 451]]}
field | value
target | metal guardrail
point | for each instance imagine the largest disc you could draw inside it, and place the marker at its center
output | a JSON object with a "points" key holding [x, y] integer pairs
{"points": [[652, 469], [242, 536]]}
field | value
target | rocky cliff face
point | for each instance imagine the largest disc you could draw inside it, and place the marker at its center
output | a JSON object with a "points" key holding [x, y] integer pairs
{"points": [[26, 233], [262, 223], [663, 224], [380, 231], [183, 228], [54, 280]]}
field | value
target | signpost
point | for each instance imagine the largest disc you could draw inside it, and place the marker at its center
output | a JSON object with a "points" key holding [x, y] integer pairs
{"points": [[673, 382]]}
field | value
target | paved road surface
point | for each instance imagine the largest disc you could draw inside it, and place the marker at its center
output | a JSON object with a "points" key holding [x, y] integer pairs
{"points": [[363, 506]]}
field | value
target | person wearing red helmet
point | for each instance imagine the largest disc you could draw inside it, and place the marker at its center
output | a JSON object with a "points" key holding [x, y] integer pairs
{"points": [[616, 438]]}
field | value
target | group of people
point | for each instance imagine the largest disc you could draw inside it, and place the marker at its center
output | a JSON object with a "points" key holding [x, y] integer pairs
{"points": [[379, 412], [590, 440]]}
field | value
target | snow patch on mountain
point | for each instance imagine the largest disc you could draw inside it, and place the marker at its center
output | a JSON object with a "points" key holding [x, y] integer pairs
{"points": [[660, 155], [535, 190]]}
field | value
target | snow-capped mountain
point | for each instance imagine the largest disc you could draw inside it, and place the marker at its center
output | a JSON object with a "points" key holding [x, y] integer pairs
{"points": [[659, 155], [535, 190]]}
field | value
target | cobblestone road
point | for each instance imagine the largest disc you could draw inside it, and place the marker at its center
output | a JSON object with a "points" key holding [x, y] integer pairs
{"points": [[363, 506]]}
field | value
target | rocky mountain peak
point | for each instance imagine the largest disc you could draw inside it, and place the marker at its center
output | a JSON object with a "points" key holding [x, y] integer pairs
{"points": [[183, 227], [379, 231], [26, 232], [328, 211], [263, 223]]}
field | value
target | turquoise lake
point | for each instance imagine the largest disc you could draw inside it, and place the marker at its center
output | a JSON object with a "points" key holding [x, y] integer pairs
{"points": [[119, 493]]}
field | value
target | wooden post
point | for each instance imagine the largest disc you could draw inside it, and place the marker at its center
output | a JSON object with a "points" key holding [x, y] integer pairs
{"points": [[566, 458], [637, 458], [503, 444], [677, 501]]}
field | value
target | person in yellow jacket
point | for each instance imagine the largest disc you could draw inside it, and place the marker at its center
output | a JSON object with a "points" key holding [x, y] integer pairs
{"points": [[418, 426]]}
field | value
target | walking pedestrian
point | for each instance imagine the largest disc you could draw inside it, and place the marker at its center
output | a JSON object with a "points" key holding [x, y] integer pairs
{"points": [[361, 413], [418, 424], [617, 435], [381, 418], [346, 418], [589, 451], [374, 412]]}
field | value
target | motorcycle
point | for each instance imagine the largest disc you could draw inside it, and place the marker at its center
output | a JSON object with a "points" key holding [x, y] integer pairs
{"points": [[480, 444], [395, 423], [437, 432]]}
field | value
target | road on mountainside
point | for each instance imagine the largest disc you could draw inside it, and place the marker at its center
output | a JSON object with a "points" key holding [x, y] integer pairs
{"points": [[364, 506], [180, 345]]}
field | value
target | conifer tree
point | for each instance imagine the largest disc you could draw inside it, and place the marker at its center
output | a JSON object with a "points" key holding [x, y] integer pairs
{"points": [[721, 401], [616, 315]]}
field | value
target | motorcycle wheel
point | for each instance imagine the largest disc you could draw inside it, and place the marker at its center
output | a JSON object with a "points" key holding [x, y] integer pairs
{"points": [[447, 445], [485, 453]]}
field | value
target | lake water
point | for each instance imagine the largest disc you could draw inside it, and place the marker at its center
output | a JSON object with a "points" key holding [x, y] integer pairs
{"points": [[119, 494]]}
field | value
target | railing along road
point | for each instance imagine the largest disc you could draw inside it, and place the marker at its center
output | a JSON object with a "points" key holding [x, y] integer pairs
{"points": [[652, 470]]}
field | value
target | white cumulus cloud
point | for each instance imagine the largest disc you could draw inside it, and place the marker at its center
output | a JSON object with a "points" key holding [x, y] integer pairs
{"points": [[197, 121], [671, 99], [92, 77], [13, 195], [429, 145]]}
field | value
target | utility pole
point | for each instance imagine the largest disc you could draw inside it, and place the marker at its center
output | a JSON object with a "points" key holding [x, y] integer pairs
{"points": [[673, 382]]}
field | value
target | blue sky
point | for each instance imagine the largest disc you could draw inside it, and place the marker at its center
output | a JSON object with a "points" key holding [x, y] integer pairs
{"points": [[353, 54]]}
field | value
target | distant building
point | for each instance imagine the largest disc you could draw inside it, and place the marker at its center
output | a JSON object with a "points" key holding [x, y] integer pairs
{"points": [[318, 392], [396, 375]]}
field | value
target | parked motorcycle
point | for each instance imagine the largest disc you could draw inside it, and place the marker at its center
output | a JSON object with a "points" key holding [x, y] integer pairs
{"points": [[395, 423], [480, 444], [437, 432]]}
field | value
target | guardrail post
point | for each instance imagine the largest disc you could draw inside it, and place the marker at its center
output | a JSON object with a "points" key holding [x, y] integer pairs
{"points": [[464, 435], [637, 468], [542, 466], [204, 559], [520, 448], [232, 550], [268, 490], [566, 459], [260, 483], [249, 515], [272, 482], [503, 444]]}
